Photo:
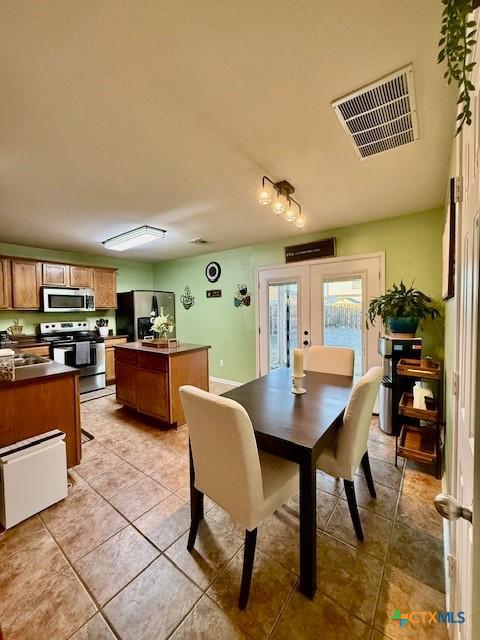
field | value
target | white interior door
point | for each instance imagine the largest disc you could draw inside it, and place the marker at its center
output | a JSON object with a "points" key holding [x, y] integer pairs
{"points": [[319, 302], [340, 293]]}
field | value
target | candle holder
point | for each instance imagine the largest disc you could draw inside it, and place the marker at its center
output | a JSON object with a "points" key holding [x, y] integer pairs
{"points": [[297, 388]]}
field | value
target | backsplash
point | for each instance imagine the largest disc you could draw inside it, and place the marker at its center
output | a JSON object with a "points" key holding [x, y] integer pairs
{"points": [[31, 319]]}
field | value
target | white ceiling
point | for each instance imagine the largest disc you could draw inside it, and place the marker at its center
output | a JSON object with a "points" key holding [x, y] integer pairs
{"points": [[118, 113]]}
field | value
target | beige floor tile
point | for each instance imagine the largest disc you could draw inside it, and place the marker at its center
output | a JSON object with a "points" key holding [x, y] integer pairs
{"points": [[138, 498], [214, 548], [184, 493], [220, 387], [206, 621], [81, 498], [95, 629], [348, 576], [326, 503], [153, 604], [419, 513], [226, 520], [329, 484], [382, 450], [96, 459], [121, 477], [174, 474], [178, 444], [79, 536], [418, 555], [270, 589], [385, 473], [25, 561], [166, 522], [305, 619], [376, 529], [385, 504], [109, 567], [377, 434], [279, 537], [399, 591], [58, 607], [26, 528]]}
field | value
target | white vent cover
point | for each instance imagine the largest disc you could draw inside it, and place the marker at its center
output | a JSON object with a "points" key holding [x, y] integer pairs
{"points": [[198, 241], [382, 115]]}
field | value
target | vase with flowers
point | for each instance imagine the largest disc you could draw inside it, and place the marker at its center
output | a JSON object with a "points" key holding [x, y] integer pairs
{"points": [[162, 327]]}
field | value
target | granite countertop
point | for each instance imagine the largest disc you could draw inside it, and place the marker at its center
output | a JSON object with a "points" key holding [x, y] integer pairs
{"points": [[23, 342], [40, 372], [173, 351]]}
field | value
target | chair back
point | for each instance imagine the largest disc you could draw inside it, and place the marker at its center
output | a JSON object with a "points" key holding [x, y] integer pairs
{"points": [[353, 435], [224, 451], [335, 360]]}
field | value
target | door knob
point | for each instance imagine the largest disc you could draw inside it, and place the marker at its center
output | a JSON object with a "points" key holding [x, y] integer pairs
{"points": [[448, 507]]}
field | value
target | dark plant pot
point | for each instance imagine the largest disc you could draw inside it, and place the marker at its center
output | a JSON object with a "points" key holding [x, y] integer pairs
{"points": [[407, 326]]}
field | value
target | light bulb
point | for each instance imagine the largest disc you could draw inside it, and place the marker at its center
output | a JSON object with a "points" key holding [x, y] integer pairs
{"points": [[264, 197], [290, 215], [300, 223], [278, 207]]}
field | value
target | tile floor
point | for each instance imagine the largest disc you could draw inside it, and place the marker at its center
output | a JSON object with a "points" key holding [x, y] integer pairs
{"points": [[110, 561]]}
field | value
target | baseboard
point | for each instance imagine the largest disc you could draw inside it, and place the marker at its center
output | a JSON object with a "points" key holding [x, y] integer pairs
{"points": [[232, 383]]}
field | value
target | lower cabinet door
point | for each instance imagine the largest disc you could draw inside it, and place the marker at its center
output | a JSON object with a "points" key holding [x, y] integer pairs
{"points": [[125, 378], [110, 365], [152, 393]]}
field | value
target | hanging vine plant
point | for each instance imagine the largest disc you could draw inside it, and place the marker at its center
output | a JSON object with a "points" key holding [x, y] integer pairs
{"points": [[458, 38]]}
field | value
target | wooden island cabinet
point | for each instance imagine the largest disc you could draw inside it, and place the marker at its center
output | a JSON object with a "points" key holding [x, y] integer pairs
{"points": [[148, 379]]}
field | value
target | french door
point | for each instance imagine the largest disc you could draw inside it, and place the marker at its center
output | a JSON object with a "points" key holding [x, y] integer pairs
{"points": [[319, 302]]}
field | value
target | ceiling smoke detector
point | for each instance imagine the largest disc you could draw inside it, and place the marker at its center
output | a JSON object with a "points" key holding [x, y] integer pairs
{"points": [[382, 115], [198, 241]]}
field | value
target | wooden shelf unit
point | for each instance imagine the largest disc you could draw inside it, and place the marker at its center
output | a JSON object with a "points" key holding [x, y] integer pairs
{"points": [[420, 436]]}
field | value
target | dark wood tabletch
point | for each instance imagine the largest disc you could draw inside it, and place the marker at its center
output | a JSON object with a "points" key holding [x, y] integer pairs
{"points": [[297, 427]]}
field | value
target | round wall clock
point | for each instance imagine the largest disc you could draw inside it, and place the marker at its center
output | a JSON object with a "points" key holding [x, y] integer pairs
{"points": [[213, 271]]}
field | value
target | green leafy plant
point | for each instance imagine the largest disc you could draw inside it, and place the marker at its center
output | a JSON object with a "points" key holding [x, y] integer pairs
{"points": [[456, 42], [400, 302]]}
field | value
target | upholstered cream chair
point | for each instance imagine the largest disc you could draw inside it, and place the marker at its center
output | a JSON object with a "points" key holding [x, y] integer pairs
{"points": [[247, 483], [336, 360], [348, 448]]}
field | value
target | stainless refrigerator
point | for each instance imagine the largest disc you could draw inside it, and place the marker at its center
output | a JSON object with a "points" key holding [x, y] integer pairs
{"points": [[135, 308]]}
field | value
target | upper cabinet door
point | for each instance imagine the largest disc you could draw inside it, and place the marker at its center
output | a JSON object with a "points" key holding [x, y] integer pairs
{"points": [[81, 276], [26, 283], [105, 289], [55, 275], [5, 284]]}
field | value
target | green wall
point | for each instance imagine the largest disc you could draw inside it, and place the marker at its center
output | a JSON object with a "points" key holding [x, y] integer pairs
{"points": [[412, 245], [130, 275]]}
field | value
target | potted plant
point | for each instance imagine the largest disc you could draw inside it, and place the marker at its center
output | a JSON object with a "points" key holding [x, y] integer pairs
{"points": [[162, 325], [16, 329], [401, 309]]}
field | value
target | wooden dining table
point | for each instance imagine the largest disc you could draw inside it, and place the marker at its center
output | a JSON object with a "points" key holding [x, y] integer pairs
{"points": [[297, 428]]}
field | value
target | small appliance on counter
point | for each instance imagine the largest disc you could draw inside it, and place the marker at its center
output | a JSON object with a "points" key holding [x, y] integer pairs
{"points": [[33, 476], [76, 345], [135, 310], [392, 350]]}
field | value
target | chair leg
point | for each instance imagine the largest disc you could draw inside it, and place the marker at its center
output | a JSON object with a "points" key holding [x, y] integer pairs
{"points": [[196, 516], [352, 505], [248, 558], [368, 475]]}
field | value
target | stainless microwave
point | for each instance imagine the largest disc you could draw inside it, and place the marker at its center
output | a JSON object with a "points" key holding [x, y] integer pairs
{"points": [[67, 299]]}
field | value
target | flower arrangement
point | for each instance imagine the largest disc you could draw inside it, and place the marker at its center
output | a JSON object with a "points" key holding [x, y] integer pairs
{"points": [[163, 325]]}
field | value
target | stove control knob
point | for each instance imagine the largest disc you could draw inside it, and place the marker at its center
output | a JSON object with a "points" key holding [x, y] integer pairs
{"points": [[53, 326], [47, 326]]}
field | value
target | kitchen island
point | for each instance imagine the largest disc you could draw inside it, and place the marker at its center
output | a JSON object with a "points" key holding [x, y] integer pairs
{"points": [[148, 378], [41, 398]]}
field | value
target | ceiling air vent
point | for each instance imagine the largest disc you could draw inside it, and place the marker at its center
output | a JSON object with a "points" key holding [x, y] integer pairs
{"points": [[198, 241], [382, 115]]}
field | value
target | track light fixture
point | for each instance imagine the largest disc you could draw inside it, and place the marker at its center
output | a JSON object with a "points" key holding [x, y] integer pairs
{"points": [[283, 202]]}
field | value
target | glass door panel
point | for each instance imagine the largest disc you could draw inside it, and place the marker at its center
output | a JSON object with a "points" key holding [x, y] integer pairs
{"points": [[342, 315], [282, 323]]}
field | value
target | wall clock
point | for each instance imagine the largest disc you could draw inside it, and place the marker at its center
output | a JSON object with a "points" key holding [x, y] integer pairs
{"points": [[213, 271]]}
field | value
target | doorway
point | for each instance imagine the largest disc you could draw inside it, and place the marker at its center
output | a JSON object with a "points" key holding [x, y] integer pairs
{"points": [[319, 302]]}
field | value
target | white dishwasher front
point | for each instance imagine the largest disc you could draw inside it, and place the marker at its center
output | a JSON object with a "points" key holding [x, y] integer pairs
{"points": [[33, 476]]}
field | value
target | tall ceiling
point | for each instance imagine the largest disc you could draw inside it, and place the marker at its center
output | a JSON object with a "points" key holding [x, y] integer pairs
{"points": [[119, 113]]}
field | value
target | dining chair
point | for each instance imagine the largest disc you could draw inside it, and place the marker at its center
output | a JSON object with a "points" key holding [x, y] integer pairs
{"points": [[334, 360], [348, 447], [247, 483]]}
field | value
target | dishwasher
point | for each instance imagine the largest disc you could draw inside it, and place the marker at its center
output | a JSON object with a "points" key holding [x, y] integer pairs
{"points": [[33, 476]]}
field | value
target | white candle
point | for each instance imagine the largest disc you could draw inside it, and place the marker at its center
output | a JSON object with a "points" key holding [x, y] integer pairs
{"points": [[298, 363]]}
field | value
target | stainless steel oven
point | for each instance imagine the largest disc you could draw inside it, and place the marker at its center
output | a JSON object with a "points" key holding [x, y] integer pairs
{"points": [[67, 299], [86, 356]]}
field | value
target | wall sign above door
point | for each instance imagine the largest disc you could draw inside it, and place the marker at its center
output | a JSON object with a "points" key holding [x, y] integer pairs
{"points": [[214, 293], [311, 250]]}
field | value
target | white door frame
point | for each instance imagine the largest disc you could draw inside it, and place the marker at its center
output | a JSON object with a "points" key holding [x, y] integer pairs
{"points": [[307, 263]]}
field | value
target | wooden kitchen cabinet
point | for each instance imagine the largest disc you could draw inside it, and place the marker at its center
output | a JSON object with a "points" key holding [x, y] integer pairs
{"points": [[26, 283], [43, 350], [81, 276], [5, 284], [110, 357], [105, 285], [55, 275]]}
